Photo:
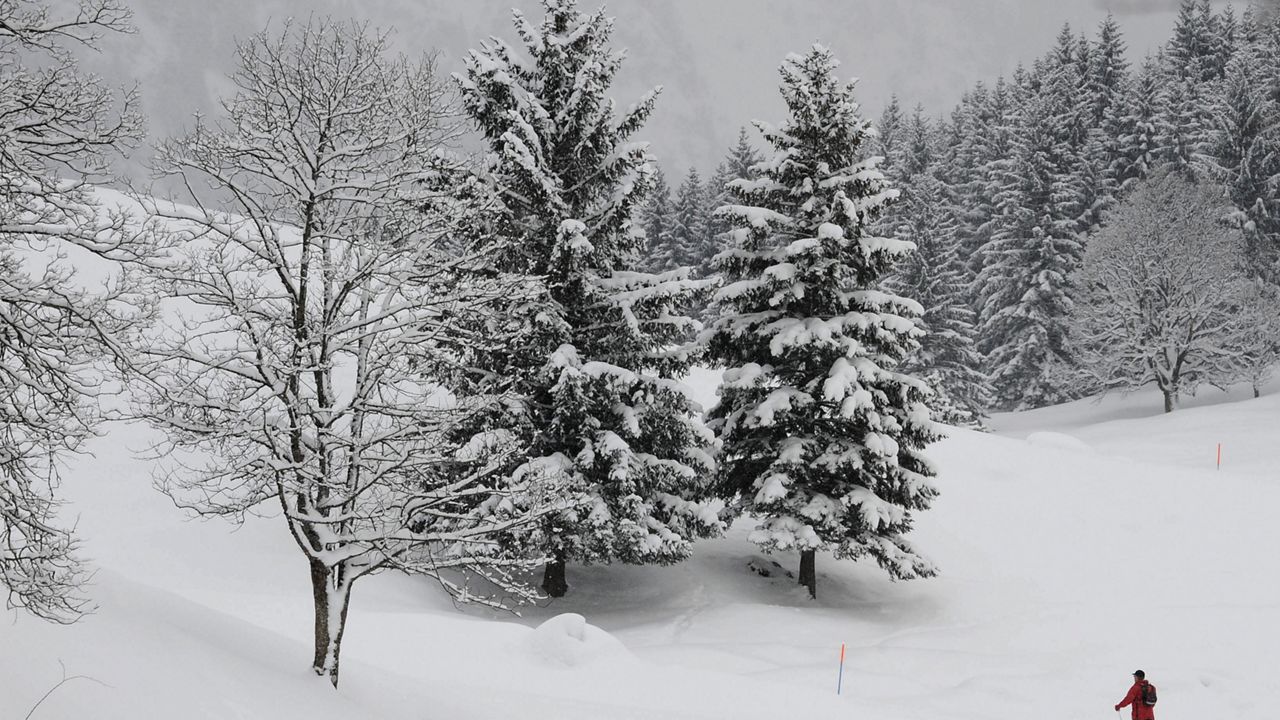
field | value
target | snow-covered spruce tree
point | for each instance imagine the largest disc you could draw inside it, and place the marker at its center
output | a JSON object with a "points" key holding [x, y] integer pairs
{"points": [[1023, 287], [1193, 51], [58, 132], [1106, 88], [1107, 75], [307, 325], [1161, 291], [891, 136], [593, 362], [738, 164], [656, 220], [822, 435], [1139, 129], [934, 275], [973, 162], [689, 230], [1242, 153]]}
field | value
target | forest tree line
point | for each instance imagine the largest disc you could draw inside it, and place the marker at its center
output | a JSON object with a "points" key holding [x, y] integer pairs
{"points": [[1004, 195]]}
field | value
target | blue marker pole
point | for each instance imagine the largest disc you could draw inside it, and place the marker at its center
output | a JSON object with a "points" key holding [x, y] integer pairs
{"points": [[840, 677]]}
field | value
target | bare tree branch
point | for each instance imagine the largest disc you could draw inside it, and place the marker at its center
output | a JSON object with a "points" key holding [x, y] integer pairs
{"points": [[59, 333], [300, 355]]}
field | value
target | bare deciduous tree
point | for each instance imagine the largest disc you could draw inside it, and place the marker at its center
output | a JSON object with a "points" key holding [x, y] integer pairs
{"points": [[59, 129], [1162, 286], [298, 362]]}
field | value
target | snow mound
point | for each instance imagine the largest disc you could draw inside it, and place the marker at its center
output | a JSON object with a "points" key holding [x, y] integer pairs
{"points": [[1059, 441], [570, 641]]}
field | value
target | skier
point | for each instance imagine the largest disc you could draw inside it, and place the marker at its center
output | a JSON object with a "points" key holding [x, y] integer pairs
{"points": [[1141, 710]]}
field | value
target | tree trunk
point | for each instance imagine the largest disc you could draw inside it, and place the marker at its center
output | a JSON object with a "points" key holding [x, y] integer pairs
{"points": [[553, 580], [331, 596], [1168, 401], [809, 572]]}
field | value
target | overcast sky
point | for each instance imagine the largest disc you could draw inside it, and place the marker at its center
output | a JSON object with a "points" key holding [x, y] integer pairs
{"points": [[716, 59]]}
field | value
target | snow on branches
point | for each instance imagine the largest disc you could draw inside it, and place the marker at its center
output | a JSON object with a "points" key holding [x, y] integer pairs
{"points": [[1163, 294], [59, 129], [821, 432], [304, 351], [593, 357]]}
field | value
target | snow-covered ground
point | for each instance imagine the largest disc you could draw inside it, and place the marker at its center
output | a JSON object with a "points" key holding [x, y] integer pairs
{"points": [[1077, 543]]}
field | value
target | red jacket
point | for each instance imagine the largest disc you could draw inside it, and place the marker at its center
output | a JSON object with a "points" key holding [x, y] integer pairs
{"points": [[1134, 698]]}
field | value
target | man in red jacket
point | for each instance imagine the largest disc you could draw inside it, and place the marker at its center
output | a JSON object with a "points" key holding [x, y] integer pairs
{"points": [[1141, 711]]}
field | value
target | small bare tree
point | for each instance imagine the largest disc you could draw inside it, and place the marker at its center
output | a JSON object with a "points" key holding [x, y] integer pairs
{"points": [[1162, 287], [299, 360], [58, 133]]}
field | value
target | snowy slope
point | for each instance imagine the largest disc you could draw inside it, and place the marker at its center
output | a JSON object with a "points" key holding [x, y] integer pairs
{"points": [[1076, 544]]}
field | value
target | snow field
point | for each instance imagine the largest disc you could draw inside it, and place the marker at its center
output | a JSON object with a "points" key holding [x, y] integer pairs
{"points": [[1076, 544]]}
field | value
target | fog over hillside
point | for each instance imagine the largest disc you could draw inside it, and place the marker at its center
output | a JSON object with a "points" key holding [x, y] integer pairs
{"points": [[716, 59]]}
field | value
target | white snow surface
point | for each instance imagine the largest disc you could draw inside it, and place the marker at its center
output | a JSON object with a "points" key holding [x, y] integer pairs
{"points": [[1076, 544]]}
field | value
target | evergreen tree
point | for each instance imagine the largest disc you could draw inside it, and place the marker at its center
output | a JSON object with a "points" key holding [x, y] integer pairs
{"points": [[1046, 193], [1193, 50], [690, 236], [598, 414], [1138, 132], [918, 148], [1183, 120], [742, 159], [1107, 84], [738, 164], [657, 221], [1226, 40], [1023, 288], [1243, 153], [822, 435], [890, 138], [1195, 59], [1061, 110], [935, 276], [1106, 77], [979, 145]]}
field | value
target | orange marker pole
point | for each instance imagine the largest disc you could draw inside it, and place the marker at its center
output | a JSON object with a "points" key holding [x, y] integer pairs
{"points": [[1219, 456], [840, 677]]}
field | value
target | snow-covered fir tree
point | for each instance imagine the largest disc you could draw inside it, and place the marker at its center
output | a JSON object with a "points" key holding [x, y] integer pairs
{"points": [[890, 140], [656, 222], [1106, 87], [973, 161], [691, 242], [1242, 152], [934, 275], [918, 154], [738, 164], [591, 363], [1023, 289], [1138, 132], [928, 216], [1194, 50], [822, 433]]}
